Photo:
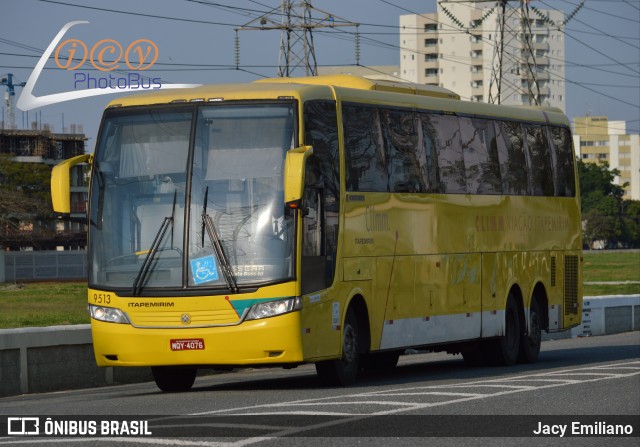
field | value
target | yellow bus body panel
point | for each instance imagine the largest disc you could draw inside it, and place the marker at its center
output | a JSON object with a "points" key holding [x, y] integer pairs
{"points": [[267, 341]]}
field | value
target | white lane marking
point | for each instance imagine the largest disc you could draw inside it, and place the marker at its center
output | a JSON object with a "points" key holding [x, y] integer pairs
{"points": [[435, 393], [493, 383], [501, 383], [359, 402], [498, 383]]}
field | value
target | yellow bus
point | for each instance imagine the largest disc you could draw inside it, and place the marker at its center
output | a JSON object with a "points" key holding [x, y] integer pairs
{"points": [[333, 220]]}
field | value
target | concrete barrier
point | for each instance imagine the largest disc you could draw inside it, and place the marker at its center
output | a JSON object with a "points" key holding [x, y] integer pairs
{"points": [[53, 358], [44, 359], [609, 315]]}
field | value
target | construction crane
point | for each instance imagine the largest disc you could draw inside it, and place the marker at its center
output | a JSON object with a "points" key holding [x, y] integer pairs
{"points": [[8, 98]]}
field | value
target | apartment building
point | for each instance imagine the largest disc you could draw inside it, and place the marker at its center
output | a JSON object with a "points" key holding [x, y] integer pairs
{"points": [[597, 140], [456, 48]]}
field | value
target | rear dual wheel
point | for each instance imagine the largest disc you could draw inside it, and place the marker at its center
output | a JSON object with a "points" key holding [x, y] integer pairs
{"points": [[505, 349], [515, 345], [530, 341]]}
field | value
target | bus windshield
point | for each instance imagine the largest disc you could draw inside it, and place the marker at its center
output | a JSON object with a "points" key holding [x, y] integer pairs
{"points": [[177, 211]]}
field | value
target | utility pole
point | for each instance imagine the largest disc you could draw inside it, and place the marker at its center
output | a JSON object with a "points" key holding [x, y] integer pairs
{"points": [[296, 24]]}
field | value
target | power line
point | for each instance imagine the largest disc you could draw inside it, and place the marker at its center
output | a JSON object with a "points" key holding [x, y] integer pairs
{"points": [[247, 11], [153, 16], [633, 6], [592, 48], [604, 12]]}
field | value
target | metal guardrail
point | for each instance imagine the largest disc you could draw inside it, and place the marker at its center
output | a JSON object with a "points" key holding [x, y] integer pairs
{"points": [[42, 265]]}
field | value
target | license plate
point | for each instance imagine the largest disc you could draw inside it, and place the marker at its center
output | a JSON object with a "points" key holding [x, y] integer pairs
{"points": [[189, 344]]}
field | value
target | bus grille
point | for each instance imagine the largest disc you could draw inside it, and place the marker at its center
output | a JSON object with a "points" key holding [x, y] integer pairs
{"points": [[570, 285], [200, 318], [553, 271]]}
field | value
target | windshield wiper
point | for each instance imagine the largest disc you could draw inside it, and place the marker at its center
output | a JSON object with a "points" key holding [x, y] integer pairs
{"points": [[214, 237], [155, 245]]}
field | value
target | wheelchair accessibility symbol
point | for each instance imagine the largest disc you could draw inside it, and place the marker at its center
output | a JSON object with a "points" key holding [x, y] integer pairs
{"points": [[204, 269]]}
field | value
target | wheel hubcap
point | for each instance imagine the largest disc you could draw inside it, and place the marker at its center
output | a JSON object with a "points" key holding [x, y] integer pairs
{"points": [[349, 346], [534, 332]]}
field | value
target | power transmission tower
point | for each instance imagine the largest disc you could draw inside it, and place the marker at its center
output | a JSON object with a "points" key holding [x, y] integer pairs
{"points": [[296, 24], [512, 72], [504, 40]]}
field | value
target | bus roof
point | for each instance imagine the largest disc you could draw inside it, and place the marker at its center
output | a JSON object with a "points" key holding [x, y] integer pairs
{"points": [[349, 88], [350, 81]]}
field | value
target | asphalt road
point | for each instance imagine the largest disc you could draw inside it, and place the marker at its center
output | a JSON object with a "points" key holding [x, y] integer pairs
{"points": [[430, 399]]}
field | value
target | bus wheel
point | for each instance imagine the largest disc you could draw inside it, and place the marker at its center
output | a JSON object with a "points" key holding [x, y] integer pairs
{"points": [[173, 379], [506, 348], [343, 371], [530, 343]]}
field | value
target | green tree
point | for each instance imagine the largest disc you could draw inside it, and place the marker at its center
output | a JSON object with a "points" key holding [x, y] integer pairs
{"points": [[601, 203], [596, 181], [631, 223], [602, 221], [25, 198]]}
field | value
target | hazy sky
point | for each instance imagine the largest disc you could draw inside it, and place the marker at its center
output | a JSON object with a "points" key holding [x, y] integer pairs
{"points": [[195, 39]]}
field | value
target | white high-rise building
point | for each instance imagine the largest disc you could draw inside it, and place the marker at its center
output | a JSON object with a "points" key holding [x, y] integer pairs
{"points": [[456, 48]]}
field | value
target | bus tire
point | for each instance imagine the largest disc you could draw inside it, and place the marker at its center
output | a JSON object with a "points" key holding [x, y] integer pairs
{"points": [[173, 379], [530, 342], [343, 371], [506, 348]]}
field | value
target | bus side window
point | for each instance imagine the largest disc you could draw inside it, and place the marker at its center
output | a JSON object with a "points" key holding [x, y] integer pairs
{"points": [[402, 145], [367, 164], [563, 147], [321, 200], [540, 167], [450, 159], [480, 158], [513, 166], [313, 259], [428, 155]]}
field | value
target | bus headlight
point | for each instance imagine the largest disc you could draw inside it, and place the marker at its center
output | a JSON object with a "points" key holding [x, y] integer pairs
{"points": [[108, 314], [273, 308]]}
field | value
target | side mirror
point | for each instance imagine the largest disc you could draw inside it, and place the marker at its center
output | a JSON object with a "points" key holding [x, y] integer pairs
{"points": [[294, 174], [61, 184]]}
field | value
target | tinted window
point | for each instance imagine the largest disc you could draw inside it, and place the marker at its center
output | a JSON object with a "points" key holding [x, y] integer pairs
{"points": [[401, 143], [322, 196], [428, 155], [404, 151], [365, 155], [449, 149], [481, 164], [565, 175], [513, 166], [540, 159]]}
